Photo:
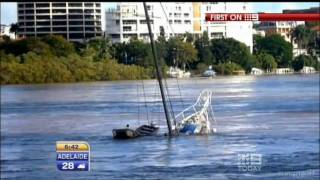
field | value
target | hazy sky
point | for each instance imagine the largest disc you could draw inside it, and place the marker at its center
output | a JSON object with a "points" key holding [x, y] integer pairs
{"points": [[9, 10]]}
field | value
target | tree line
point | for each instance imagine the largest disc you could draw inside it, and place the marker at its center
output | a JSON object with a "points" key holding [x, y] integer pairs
{"points": [[53, 59]]}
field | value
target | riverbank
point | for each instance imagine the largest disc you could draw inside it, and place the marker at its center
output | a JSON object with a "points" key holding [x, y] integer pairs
{"points": [[193, 77]]}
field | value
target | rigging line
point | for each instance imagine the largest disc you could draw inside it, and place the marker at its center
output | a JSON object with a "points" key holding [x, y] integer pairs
{"points": [[170, 103], [167, 18], [145, 101], [181, 100], [138, 104], [173, 33]]}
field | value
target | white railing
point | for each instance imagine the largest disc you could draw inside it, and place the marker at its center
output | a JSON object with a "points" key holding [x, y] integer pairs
{"points": [[202, 106]]}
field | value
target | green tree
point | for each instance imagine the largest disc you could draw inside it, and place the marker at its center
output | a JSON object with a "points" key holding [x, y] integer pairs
{"points": [[278, 47], [58, 45], [266, 61], [188, 37], [180, 53], [231, 50], [102, 48], [303, 60], [14, 28], [227, 68], [301, 35], [204, 53], [139, 52]]}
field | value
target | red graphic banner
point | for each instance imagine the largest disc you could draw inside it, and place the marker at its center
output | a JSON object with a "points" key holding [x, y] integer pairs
{"points": [[261, 17]]}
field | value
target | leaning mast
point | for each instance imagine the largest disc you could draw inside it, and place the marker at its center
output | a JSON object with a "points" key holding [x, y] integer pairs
{"points": [[159, 75]]}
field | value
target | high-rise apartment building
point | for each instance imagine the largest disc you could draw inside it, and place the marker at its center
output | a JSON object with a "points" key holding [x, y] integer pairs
{"points": [[127, 20], [76, 21]]}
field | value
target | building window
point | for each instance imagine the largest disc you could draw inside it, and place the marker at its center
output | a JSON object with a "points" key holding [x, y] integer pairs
{"points": [[31, 5], [145, 21], [43, 17], [59, 23], [58, 11], [129, 22], [88, 11], [28, 18], [186, 14], [115, 35], [59, 17], [98, 5], [43, 29], [98, 11], [117, 22], [89, 16], [29, 11], [126, 28], [30, 23], [89, 35], [217, 34], [58, 4], [89, 22], [76, 22], [75, 16], [42, 5], [30, 29], [76, 11], [75, 4], [89, 28], [21, 11], [43, 23], [43, 11], [177, 21], [177, 15], [59, 29], [88, 4], [75, 28], [76, 35], [20, 5], [187, 21]]}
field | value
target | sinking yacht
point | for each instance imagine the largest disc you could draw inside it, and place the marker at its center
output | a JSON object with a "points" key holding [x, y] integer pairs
{"points": [[197, 119]]}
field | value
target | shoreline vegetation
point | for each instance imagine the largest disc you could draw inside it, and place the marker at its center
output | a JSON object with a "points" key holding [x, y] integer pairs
{"points": [[52, 59]]}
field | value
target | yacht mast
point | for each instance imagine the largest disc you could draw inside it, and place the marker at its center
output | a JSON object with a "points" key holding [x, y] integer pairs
{"points": [[159, 76]]}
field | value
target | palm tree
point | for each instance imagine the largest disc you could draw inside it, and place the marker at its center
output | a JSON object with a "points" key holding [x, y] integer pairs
{"points": [[14, 29], [301, 35]]}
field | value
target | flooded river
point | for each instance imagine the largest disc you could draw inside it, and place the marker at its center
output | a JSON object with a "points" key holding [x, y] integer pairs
{"points": [[274, 119]]}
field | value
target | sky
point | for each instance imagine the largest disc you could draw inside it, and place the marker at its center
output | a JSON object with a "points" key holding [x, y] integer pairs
{"points": [[9, 10]]}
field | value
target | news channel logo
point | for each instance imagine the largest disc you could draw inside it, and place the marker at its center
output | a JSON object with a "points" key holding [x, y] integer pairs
{"points": [[249, 162], [73, 156]]}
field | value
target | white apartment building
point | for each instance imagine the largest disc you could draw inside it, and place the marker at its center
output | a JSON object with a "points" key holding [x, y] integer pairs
{"points": [[76, 21], [127, 20]]}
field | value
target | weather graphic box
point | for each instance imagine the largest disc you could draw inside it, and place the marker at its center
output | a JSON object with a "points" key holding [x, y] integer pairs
{"points": [[73, 155]]}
